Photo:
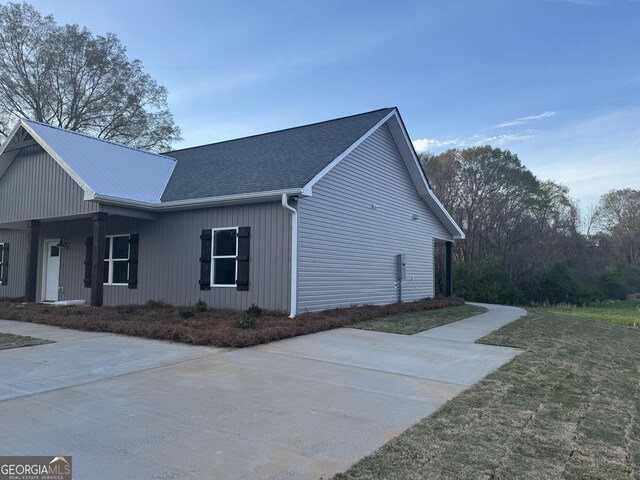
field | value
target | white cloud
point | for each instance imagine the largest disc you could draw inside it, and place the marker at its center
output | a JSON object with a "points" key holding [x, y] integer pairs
{"points": [[530, 118], [424, 144], [477, 140]]}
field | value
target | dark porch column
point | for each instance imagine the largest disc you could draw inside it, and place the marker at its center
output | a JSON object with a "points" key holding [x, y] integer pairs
{"points": [[448, 277], [33, 240], [97, 258]]}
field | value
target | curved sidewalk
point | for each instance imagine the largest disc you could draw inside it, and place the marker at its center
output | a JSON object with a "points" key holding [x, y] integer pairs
{"points": [[473, 328]]}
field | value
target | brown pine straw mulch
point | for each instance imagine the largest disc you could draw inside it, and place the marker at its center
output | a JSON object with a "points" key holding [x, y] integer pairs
{"points": [[214, 327]]}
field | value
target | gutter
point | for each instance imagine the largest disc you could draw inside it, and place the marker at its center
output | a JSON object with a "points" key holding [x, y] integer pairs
{"points": [[196, 202], [294, 254]]}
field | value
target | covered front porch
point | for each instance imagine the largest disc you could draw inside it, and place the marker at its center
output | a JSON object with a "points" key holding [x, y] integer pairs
{"points": [[73, 259]]}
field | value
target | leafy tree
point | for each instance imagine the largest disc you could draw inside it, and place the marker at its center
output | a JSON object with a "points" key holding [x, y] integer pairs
{"points": [[65, 76]]}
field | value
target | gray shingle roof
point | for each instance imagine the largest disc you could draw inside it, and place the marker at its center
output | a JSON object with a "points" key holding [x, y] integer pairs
{"points": [[271, 161]]}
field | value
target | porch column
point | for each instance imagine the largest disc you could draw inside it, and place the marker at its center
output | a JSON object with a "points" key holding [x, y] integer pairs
{"points": [[31, 277], [448, 277], [97, 258]]}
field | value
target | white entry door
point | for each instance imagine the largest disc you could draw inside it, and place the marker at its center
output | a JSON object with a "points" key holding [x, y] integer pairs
{"points": [[51, 271]]}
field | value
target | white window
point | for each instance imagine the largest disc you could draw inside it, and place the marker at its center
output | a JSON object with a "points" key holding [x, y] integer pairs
{"points": [[224, 251], [116, 259]]}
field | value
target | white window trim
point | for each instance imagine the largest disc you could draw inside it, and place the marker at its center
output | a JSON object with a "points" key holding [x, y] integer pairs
{"points": [[109, 261], [214, 257]]}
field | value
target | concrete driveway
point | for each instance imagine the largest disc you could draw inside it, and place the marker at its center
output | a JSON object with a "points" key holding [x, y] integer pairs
{"points": [[301, 408]]}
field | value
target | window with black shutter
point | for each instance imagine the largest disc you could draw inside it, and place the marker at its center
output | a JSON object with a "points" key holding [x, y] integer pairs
{"points": [[224, 255], [224, 258], [4, 263], [120, 260]]}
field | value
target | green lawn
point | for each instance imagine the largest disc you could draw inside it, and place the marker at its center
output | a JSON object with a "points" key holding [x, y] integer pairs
{"points": [[9, 340], [414, 322], [611, 311], [568, 407]]}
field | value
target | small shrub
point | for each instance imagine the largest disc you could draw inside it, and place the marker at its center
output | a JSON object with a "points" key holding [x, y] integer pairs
{"points": [[186, 313], [248, 318], [254, 310], [201, 306], [128, 310], [247, 321]]}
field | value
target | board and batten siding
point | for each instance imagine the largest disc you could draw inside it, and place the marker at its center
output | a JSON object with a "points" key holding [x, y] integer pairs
{"points": [[17, 240], [358, 219], [36, 187], [169, 253]]}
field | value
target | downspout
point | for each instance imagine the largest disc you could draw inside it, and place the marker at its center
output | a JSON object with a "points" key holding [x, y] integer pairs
{"points": [[294, 254]]}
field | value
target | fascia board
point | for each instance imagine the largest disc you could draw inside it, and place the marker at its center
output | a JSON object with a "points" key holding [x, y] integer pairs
{"points": [[399, 132], [242, 198]]}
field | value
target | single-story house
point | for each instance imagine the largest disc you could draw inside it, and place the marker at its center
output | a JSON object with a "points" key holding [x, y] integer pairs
{"points": [[302, 219]]}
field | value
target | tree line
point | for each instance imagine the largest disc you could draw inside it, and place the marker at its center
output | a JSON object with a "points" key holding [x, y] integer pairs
{"points": [[527, 240]]}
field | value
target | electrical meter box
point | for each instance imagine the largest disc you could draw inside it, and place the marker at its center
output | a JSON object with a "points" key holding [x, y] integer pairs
{"points": [[402, 266]]}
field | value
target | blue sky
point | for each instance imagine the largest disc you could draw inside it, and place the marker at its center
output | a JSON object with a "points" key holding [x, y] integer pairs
{"points": [[555, 81]]}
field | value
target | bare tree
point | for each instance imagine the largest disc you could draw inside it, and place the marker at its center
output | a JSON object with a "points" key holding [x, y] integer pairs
{"points": [[65, 76], [620, 218]]}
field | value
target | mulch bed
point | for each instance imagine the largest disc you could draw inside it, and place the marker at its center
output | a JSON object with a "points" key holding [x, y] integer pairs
{"points": [[210, 327]]}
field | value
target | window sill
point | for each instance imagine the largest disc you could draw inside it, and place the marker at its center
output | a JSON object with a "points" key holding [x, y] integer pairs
{"points": [[224, 286], [115, 284]]}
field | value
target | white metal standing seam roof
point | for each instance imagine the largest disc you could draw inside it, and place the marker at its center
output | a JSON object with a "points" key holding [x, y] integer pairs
{"points": [[106, 168]]}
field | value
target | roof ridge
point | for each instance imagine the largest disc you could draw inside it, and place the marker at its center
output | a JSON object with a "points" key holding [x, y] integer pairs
{"points": [[281, 130], [91, 137]]}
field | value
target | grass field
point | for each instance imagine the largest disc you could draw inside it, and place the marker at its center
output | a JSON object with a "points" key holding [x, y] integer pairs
{"points": [[611, 311], [568, 407], [414, 322], [9, 340]]}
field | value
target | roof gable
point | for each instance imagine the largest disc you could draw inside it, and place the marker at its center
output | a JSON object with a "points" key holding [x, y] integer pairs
{"points": [[101, 167]]}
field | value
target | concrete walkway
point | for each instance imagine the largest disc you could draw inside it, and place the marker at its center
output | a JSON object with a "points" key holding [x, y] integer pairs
{"points": [[474, 328], [300, 408]]}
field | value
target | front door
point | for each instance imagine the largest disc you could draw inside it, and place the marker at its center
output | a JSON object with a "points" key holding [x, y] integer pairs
{"points": [[51, 271]]}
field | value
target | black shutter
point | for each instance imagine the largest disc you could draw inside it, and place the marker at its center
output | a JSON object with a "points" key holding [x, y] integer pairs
{"points": [[205, 260], [133, 260], [244, 238], [5, 264], [87, 261]]}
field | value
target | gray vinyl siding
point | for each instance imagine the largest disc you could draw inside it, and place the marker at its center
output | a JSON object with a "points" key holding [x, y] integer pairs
{"points": [[17, 240], [36, 187], [169, 252], [347, 248]]}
